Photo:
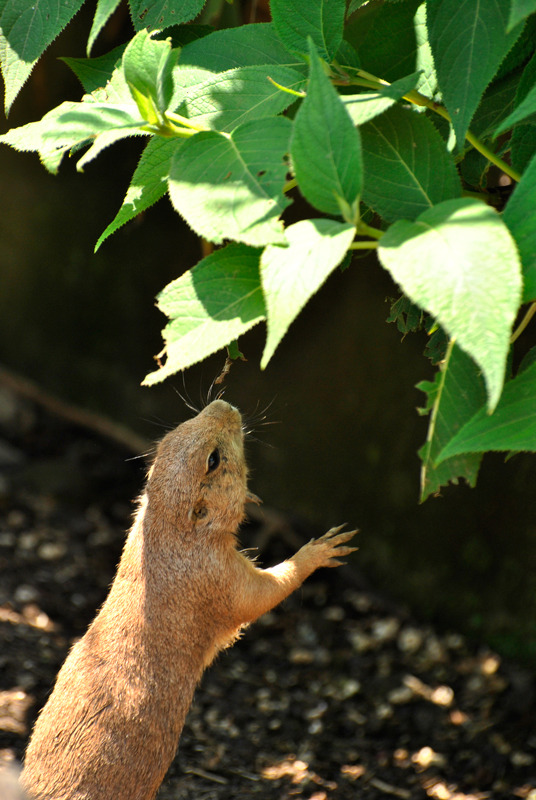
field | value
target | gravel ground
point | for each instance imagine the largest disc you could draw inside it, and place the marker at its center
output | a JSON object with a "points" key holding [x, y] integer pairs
{"points": [[338, 693]]}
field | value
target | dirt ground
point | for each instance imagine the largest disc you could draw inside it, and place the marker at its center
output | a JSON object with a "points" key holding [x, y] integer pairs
{"points": [[338, 693]]}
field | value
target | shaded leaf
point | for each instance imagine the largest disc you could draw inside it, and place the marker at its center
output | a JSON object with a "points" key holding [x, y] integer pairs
{"points": [[148, 184], [519, 10], [456, 394], [105, 9], [26, 30], [367, 105], [152, 14], [231, 98], [437, 260], [247, 45], [209, 307], [512, 426], [384, 37], [320, 20], [519, 216], [325, 148], [468, 42], [525, 109], [94, 73], [406, 164], [291, 275]]}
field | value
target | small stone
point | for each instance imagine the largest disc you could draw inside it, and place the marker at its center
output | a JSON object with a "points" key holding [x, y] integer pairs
{"points": [[442, 696], [410, 640], [26, 594], [315, 727], [28, 541], [316, 712], [400, 696], [360, 641], [26, 680], [426, 757], [334, 613], [519, 759], [7, 539], [384, 630], [16, 519], [343, 689], [299, 655], [52, 551], [384, 711]]}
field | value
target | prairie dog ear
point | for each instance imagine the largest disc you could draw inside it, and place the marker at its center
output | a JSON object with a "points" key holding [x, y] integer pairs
{"points": [[199, 511]]}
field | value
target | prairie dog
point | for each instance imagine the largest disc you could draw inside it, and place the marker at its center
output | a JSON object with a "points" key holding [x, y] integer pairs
{"points": [[181, 593]]}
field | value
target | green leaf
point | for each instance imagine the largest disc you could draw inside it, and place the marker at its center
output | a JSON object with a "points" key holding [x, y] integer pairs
{"points": [[94, 73], [248, 45], [325, 148], [68, 125], [468, 42], [424, 60], [209, 307], [148, 65], [457, 392], [320, 20], [406, 164], [183, 35], [231, 186], [407, 316], [148, 184], [519, 10], [27, 27], [105, 9], [160, 14], [523, 139], [512, 426], [104, 140], [496, 104], [525, 109], [523, 145], [437, 260], [367, 105], [231, 98], [291, 275], [519, 216], [384, 35]]}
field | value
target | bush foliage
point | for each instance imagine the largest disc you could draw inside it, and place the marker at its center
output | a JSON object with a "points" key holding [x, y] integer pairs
{"points": [[409, 127]]}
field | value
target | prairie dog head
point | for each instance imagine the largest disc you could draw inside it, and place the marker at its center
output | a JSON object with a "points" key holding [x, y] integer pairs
{"points": [[199, 477]]}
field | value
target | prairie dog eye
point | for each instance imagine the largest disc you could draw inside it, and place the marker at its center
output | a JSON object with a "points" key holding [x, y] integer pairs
{"points": [[213, 461]]}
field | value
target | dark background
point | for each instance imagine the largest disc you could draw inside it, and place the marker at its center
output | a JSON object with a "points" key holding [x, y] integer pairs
{"points": [[340, 386]]}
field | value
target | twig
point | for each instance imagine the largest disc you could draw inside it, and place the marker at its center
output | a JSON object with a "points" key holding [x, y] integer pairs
{"points": [[388, 789], [209, 776], [79, 416]]}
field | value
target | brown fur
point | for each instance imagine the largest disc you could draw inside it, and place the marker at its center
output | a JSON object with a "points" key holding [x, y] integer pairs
{"points": [[181, 593]]}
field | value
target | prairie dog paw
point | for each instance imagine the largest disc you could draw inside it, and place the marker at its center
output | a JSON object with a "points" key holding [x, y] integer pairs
{"points": [[329, 548]]}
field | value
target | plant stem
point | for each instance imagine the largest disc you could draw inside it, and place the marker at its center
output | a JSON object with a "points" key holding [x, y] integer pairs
{"points": [[418, 99], [366, 230], [490, 155], [524, 322], [363, 246], [186, 123], [291, 184]]}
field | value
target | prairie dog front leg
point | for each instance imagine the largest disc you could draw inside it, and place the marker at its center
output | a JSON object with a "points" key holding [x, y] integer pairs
{"points": [[262, 589]]}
